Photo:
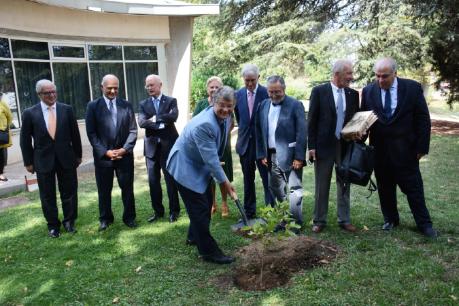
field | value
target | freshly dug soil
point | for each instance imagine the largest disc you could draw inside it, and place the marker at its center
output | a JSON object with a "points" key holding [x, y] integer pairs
{"points": [[442, 127], [265, 266]]}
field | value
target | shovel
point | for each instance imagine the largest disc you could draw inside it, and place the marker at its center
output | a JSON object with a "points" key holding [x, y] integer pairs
{"points": [[244, 220]]}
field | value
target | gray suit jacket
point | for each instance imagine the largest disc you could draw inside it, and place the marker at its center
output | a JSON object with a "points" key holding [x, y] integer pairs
{"points": [[290, 132], [195, 157]]}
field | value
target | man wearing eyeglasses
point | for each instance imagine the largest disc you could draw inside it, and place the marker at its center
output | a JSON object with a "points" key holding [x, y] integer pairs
{"points": [[157, 115], [401, 137], [51, 146]]}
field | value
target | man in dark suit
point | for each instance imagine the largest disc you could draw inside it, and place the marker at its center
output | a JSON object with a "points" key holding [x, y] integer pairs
{"points": [[157, 115], [194, 162], [281, 144], [401, 137], [331, 106], [51, 146], [248, 100], [112, 132]]}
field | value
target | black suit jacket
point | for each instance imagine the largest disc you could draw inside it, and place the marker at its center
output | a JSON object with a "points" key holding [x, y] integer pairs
{"points": [[43, 151], [407, 132], [99, 129], [246, 124], [167, 115], [322, 118]]}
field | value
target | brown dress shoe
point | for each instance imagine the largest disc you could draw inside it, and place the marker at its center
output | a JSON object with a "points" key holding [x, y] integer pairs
{"points": [[348, 227], [317, 228], [214, 209]]}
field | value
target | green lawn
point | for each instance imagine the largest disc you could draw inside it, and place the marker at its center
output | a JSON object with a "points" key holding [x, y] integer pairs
{"points": [[152, 265]]}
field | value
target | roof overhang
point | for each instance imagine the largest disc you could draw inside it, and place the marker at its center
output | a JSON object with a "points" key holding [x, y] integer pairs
{"points": [[138, 7]]}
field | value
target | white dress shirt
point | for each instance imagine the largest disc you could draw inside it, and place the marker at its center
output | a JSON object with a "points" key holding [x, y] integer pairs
{"points": [[273, 117]]}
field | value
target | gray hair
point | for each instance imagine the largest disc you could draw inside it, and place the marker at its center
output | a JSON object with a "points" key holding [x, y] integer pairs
{"points": [[340, 65], [276, 79], [250, 69], [40, 84], [109, 76], [154, 76], [225, 93], [214, 78], [385, 62]]}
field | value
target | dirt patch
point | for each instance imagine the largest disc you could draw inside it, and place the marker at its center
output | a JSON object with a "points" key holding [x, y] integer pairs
{"points": [[442, 127], [262, 267], [13, 201]]}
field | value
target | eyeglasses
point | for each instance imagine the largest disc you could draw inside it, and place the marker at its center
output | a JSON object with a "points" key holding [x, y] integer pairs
{"points": [[383, 76], [48, 93]]}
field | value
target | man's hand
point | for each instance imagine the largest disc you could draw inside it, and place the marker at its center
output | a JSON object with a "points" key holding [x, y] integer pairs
{"points": [[113, 154], [297, 164], [312, 155], [30, 169], [226, 185], [153, 119], [264, 162]]}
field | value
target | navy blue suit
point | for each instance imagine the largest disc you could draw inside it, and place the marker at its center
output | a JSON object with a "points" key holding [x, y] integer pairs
{"points": [[397, 142], [51, 157], [158, 143], [103, 137], [246, 148]]}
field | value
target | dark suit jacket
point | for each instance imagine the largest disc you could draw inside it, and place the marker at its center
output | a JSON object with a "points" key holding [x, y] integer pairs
{"points": [[168, 114], [42, 153], [407, 132], [322, 118], [246, 125], [99, 126], [290, 132]]}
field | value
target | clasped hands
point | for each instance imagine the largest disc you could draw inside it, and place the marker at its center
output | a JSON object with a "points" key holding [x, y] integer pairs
{"points": [[116, 154]]}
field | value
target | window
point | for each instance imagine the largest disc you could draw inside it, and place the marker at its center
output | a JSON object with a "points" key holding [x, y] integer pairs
{"points": [[76, 68]]}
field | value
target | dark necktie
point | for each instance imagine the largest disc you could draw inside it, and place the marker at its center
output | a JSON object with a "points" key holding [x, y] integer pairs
{"points": [[387, 104], [339, 114], [112, 112]]}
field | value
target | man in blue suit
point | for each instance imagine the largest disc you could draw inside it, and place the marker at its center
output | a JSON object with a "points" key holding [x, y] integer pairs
{"points": [[281, 144], [248, 101], [401, 137], [194, 161], [51, 146], [112, 132], [157, 115]]}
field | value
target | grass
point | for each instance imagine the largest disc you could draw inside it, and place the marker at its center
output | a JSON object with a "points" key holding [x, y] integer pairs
{"points": [[152, 265]]}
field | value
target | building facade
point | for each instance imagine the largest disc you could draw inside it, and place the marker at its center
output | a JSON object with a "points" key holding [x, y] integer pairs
{"points": [[75, 43]]}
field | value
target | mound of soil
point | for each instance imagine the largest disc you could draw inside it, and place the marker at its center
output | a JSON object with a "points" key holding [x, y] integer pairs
{"points": [[265, 266]]}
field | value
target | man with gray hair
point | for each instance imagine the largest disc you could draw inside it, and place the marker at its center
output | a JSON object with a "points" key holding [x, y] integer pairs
{"points": [[281, 144], [51, 146], [112, 132], [248, 100], [401, 137], [331, 106]]}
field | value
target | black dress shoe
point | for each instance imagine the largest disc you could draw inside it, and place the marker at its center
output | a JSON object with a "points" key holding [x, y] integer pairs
{"points": [[131, 224], [53, 233], [220, 259], [190, 242], [389, 226], [173, 218], [103, 225], [70, 228], [430, 233], [154, 218]]}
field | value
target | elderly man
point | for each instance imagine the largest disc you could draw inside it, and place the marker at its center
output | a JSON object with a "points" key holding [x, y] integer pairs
{"points": [[112, 132], [248, 100], [331, 106], [157, 115], [194, 162], [281, 144], [401, 137], [51, 146]]}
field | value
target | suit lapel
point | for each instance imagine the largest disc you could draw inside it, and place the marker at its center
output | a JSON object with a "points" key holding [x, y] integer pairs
{"points": [[162, 104], [41, 119], [120, 109], [59, 119], [376, 99], [330, 100], [401, 95]]}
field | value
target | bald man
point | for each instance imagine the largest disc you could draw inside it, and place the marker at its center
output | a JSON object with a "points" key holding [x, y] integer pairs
{"points": [[112, 132], [157, 115]]}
